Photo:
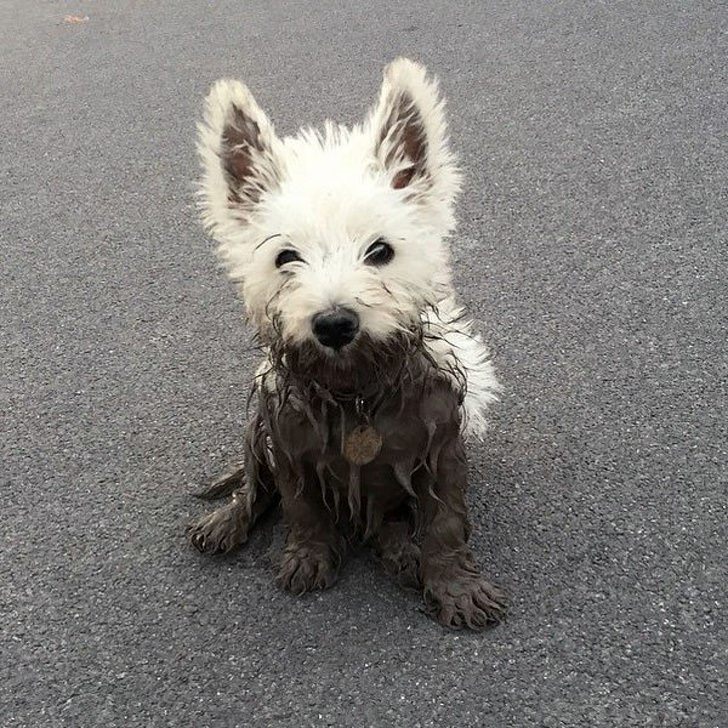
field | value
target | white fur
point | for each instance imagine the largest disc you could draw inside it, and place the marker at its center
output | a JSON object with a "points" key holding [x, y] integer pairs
{"points": [[329, 195], [456, 346]]}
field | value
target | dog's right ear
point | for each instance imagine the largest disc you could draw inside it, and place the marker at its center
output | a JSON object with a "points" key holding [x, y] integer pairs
{"points": [[240, 156]]}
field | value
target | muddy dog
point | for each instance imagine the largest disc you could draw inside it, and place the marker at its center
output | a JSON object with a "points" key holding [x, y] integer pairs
{"points": [[371, 378]]}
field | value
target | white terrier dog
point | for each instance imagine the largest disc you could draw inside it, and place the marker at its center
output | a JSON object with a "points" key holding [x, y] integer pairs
{"points": [[371, 376]]}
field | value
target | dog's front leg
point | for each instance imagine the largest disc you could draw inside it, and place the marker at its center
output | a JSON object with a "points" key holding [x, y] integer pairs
{"points": [[314, 548], [455, 592]]}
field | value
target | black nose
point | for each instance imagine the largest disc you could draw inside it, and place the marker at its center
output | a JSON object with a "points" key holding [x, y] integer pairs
{"points": [[335, 328]]}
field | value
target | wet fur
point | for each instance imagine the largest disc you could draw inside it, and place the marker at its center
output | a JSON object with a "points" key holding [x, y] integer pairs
{"points": [[409, 502], [416, 372]]}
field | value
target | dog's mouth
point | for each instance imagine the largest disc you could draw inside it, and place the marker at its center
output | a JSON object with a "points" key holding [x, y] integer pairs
{"points": [[341, 355], [360, 364]]}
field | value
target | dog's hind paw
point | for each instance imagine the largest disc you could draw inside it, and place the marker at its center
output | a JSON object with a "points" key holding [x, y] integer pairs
{"points": [[222, 530], [404, 566], [398, 553], [465, 600], [306, 567]]}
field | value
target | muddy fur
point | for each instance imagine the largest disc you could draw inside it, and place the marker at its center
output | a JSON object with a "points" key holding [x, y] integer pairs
{"points": [[358, 428], [408, 503]]}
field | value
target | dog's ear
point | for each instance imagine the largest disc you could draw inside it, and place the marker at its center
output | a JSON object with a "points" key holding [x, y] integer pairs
{"points": [[240, 155], [410, 132]]}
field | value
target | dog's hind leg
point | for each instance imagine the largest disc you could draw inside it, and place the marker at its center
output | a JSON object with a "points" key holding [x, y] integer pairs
{"points": [[253, 493]]}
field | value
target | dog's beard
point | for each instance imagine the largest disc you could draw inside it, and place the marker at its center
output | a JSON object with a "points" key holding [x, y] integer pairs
{"points": [[363, 366]]}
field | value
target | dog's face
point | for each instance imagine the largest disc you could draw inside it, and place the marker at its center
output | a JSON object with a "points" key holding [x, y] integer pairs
{"points": [[335, 238]]}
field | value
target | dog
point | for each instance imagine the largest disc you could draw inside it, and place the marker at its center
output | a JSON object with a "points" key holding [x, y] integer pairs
{"points": [[371, 376]]}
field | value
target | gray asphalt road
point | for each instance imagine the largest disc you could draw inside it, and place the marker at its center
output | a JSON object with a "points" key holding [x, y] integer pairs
{"points": [[592, 249]]}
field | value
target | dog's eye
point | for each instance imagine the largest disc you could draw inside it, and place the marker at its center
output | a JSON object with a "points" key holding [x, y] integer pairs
{"points": [[287, 256], [380, 252]]}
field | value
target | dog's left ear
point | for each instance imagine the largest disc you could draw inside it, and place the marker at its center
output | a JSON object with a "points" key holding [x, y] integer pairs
{"points": [[410, 133]]}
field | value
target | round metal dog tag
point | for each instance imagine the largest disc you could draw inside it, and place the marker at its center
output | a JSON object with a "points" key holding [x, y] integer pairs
{"points": [[362, 445]]}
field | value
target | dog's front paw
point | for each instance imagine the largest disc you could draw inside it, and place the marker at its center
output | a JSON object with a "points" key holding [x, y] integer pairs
{"points": [[465, 599], [220, 531], [306, 567]]}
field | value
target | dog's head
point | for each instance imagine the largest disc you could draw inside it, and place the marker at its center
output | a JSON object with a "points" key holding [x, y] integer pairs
{"points": [[335, 238]]}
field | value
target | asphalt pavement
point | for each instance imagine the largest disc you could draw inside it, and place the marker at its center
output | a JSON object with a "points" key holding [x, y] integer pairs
{"points": [[591, 250]]}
